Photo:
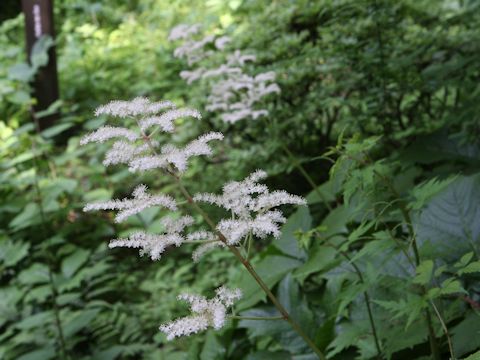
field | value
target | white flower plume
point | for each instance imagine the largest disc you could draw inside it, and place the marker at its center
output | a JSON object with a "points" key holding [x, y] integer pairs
{"points": [[155, 244], [183, 31], [205, 313], [128, 207], [105, 133], [123, 152], [165, 120], [135, 107], [170, 154], [252, 206]]}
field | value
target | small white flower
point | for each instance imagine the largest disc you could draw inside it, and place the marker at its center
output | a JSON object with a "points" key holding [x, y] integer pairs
{"points": [[135, 107], [251, 204], [170, 154], [128, 207], [165, 120], [183, 31], [105, 133], [205, 313], [155, 244]]}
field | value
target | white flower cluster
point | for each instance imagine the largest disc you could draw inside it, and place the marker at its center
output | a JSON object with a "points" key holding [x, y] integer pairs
{"points": [[170, 154], [251, 205], [191, 49], [205, 313], [128, 207], [234, 92], [210, 241], [137, 106], [148, 114], [155, 244]]}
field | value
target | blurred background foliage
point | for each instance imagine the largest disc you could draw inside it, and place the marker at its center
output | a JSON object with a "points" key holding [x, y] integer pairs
{"points": [[379, 105]]}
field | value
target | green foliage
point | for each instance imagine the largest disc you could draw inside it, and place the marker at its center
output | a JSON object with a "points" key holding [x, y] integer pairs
{"points": [[379, 103]]}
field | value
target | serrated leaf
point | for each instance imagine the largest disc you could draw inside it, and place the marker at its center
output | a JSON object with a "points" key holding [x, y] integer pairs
{"points": [[448, 226], [424, 272]]}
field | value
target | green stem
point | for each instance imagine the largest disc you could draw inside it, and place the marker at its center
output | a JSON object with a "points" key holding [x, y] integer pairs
{"points": [[239, 256], [408, 221], [365, 296], [251, 270], [307, 177]]}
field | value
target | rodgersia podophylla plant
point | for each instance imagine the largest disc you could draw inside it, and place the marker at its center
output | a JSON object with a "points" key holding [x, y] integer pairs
{"points": [[234, 93], [250, 206]]}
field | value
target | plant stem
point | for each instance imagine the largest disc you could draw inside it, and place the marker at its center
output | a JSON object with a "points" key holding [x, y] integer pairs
{"points": [[307, 177], [408, 221], [250, 269], [238, 255], [445, 330], [365, 296]]}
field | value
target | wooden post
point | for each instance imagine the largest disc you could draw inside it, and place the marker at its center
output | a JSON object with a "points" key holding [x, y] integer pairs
{"points": [[38, 22]]}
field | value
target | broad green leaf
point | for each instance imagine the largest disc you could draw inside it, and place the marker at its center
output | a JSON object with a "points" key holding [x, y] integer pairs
{"points": [[321, 258], [271, 269], [448, 226], [44, 353], [12, 252], [28, 217], [287, 242], [73, 262], [466, 334], [35, 274], [213, 348], [76, 321]]}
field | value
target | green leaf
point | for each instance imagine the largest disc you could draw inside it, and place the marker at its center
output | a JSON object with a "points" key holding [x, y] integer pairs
{"points": [[212, 349], [470, 268], [73, 262], [35, 274], [39, 53], [28, 217], [12, 252], [287, 242], [466, 334], [475, 356], [451, 286], [321, 258], [76, 321], [271, 269], [44, 353], [448, 226], [424, 272], [465, 259]]}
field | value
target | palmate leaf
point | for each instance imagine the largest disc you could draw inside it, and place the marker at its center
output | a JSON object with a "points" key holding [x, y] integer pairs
{"points": [[448, 227]]}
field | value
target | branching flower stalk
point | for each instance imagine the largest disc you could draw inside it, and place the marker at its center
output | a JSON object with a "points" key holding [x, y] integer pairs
{"points": [[250, 204]]}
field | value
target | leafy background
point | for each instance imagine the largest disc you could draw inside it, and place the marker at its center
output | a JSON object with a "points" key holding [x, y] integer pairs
{"points": [[379, 105]]}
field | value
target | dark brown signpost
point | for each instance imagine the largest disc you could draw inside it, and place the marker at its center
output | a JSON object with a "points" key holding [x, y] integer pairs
{"points": [[38, 22]]}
